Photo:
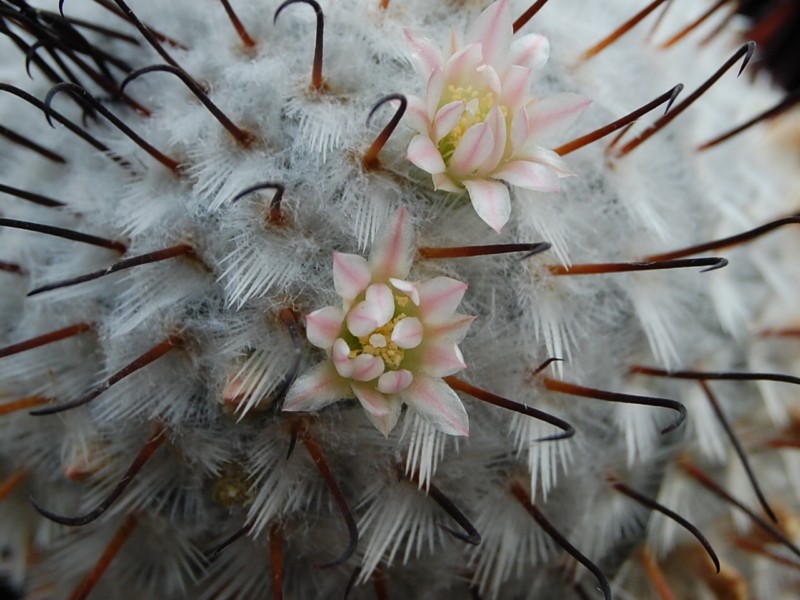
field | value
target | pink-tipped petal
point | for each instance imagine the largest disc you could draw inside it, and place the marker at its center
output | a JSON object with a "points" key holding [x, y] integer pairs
{"points": [[386, 423], [549, 158], [393, 249], [439, 298], [383, 412], [434, 92], [394, 382], [497, 125], [493, 29], [407, 333], [461, 66], [340, 355], [423, 153], [519, 131], [516, 83], [425, 54], [438, 404], [473, 149], [490, 78], [323, 326], [416, 115], [491, 201], [408, 288], [442, 359], [367, 367], [446, 118], [529, 175], [351, 275], [453, 329], [552, 116], [455, 41], [442, 182], [531, 50], [373, 401], [316, 389], [381, 297], [362, 319]]}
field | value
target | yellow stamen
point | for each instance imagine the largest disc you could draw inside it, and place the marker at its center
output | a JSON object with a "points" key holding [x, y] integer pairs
{"points": [[386, 349]]}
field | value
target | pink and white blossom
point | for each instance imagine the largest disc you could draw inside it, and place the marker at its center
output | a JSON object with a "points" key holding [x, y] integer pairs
{"points": [[392, 340], [478, 129]]}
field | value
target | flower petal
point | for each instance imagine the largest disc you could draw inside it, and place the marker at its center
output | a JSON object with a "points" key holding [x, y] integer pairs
{"points": [[472, 151], [493, 29], [383, 412], [442, 359], [491, 201], [446, 118], [425, 54], [340, 355], [316, 389], [434, 92], [497, 125], [455, 41], [362, 319], [516, 83], [453, 329], [438, 404], [351, 275], [393, 250], [442, 182], [408, 288], [394, 382], [439, 298], [367, 367], [550, 117], [549, 158], [529, 175], [407, 333], [489, 78], [423, 153], [373, 401], [416, 115], [380, 295], [531, 50], [323, 326], [387, 423], [519, 131], [461, 66]]}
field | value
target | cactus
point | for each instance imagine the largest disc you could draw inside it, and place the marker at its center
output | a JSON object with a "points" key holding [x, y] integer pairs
{"points": [[406, 299]]}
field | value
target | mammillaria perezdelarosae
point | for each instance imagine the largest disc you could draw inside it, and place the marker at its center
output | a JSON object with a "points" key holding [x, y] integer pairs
{"points": [[160, 289]]}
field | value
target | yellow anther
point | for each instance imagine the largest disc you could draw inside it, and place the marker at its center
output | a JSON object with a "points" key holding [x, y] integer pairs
{"points": [[386, 349]]}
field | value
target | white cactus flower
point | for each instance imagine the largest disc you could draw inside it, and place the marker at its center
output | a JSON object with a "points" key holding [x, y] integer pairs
{"points": [[478, 127], [391, 342]]}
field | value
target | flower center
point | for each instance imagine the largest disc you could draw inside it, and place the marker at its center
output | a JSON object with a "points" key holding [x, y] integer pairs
{"points": [[477, 104], [378, 343]]}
